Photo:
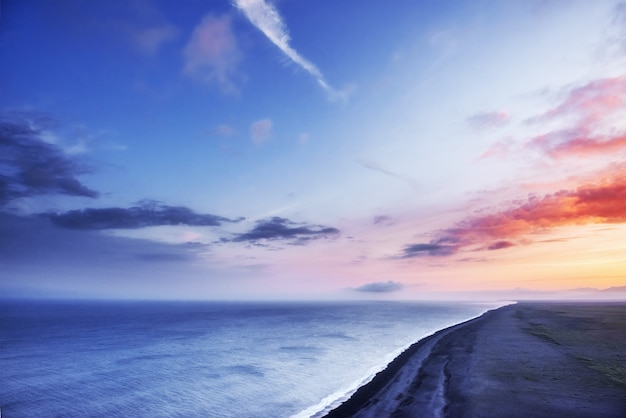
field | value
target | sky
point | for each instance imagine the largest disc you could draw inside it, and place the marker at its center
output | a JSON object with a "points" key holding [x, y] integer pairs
{"points": [[312, 149]]}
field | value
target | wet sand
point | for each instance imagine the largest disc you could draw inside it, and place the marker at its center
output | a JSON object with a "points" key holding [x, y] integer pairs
{"points": [[539, 359]]}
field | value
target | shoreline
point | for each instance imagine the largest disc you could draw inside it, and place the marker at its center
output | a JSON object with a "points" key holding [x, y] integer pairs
{"points": [[509, 361], [410, 354]]}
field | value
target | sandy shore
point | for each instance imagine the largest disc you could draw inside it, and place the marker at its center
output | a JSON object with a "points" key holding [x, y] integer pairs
{"points": [[540, 359]]}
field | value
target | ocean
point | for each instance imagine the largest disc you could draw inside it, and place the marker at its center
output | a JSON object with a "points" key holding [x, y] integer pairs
{"points": [[202, 359]]}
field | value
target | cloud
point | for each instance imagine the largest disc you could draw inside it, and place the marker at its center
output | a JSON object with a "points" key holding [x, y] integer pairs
{"points": [[592, 107], [589, 103], [593, 115], [148, 213], [266, 18], [578, 142], [30, 166], [602, 202], [261, 131], [380, 287], [435, 248], [371, 165], [484, 120], [277, 228], [212, 55]]}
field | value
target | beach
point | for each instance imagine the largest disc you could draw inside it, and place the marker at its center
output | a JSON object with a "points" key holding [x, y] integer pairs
{"points": [[541, 359]]}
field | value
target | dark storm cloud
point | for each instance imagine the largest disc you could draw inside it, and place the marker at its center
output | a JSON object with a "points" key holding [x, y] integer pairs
{"points": [[30, 166], [278, 228], [380, 287], [147, 213]]}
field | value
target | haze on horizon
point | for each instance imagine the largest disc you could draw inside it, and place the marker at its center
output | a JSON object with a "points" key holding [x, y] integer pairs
{"points": [[256, 149]]}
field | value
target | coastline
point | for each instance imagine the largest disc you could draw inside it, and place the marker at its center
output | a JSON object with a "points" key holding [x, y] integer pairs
{"points": [[540, 358]]}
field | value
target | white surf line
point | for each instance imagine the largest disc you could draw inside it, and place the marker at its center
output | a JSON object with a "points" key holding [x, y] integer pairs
{"points": [[407, 373]]}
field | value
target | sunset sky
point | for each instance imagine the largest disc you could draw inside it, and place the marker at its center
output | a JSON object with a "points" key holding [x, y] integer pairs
{"points": [[311, 148]]}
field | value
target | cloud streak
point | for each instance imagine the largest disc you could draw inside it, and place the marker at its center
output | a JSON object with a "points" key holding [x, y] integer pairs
{"points": [[371, 165], [266, 18], [148, 213], [593, 106]]}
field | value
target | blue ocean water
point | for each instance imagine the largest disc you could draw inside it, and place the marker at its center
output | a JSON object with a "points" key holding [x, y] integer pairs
{"points": [[206, 359]]}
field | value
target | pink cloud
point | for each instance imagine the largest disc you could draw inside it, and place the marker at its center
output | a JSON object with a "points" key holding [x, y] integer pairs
{"points": [[600, 202], [212, 54], [591, 106], [578, 144], [590, 103]]}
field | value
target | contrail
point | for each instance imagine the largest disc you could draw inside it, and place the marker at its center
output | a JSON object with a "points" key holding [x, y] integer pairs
{"points": [[266, 18]]}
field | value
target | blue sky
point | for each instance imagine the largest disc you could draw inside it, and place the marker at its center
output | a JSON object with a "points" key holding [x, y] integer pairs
{"points": [[311, 149]]}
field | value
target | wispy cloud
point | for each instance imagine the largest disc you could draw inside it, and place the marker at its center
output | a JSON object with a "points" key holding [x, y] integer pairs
{"points": [[147, 213], [590, 122], [578, 142], [261, 131], [599, 202], [31, 166], [267, 19], [380, 287], [212, 55], [372, 165], [592, 108], [590, 103]]}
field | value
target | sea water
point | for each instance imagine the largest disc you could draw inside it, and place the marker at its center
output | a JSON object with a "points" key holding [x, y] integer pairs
{"points": [[204, 359]]}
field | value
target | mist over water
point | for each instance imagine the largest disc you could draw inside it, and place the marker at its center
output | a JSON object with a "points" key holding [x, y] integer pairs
{"points": [[201, 359]]}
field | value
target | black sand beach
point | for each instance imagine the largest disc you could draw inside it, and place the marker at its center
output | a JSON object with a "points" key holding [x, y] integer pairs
{"points": [[539, 359]]}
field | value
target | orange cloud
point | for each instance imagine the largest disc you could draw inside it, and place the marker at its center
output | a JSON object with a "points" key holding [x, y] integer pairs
{"points": [[601, 202]]}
